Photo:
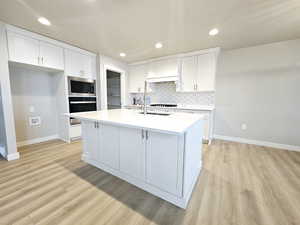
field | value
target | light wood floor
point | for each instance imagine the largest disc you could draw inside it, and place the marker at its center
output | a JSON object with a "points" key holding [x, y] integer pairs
{"points": [[240, 184]]}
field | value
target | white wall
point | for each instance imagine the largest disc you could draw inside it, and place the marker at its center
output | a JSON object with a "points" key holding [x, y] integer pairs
{"points": [[260, 86], [37, 89]]}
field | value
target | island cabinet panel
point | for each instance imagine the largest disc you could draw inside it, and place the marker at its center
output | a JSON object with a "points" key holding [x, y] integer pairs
{"points": [[90, 138], [164, 162], [132, 152], [109, 145]]}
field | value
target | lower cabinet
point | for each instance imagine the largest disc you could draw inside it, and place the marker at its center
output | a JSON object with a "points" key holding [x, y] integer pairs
{"points": [[153, 157], [90, 139], [164, 160], [109, 145], [132, 152]]}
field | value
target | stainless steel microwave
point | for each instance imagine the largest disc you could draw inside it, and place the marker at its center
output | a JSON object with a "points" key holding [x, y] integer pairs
{"points": [[81, 86]]}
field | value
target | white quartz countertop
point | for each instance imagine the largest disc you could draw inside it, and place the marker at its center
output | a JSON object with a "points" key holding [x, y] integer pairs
{"points": [[181, 107], [176, 123]]}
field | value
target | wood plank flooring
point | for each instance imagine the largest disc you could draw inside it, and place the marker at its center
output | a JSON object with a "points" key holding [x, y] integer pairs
{"points": [[240, 184]]}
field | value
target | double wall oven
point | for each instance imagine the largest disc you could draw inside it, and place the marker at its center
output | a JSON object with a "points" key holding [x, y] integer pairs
{"points": [[82, 96]]}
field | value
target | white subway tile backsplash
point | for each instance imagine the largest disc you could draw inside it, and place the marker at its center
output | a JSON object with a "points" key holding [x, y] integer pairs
{"points": [[165, 92]]}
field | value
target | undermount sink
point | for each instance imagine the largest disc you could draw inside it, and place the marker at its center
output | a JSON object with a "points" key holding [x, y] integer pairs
{"points": [[156, 113]]}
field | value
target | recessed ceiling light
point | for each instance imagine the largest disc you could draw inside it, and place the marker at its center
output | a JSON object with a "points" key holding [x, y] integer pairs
{"points": [[44, 21], [122, 54], [213, 32], [158, 45]]}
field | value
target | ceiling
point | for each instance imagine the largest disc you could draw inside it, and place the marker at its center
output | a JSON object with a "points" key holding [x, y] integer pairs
{"points": [[134, 26]]}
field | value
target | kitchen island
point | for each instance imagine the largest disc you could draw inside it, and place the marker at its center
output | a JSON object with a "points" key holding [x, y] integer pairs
{"points": [[161, 154]]}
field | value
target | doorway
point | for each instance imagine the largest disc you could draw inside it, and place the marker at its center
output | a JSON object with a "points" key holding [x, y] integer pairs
{"points": [[113, 84]]}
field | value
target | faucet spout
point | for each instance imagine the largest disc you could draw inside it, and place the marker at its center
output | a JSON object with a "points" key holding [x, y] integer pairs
{"points": [[145, 94]]}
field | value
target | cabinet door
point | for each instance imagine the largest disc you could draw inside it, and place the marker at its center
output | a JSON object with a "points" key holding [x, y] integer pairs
{"points": [[86, 69], [163, 68], [164, 161], [78, 64], [109, 145], [206, 72], [22, 49], [51, 56], [90, 138], [189, 73], [137, 76], [132, 152]]}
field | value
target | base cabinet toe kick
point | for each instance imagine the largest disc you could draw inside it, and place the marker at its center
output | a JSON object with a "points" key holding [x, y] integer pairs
{"points": [[166, 165]]}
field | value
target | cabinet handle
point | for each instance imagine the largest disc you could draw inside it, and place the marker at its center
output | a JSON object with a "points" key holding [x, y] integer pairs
{"points": [[143, 135], [147, 135], [42, 60]]}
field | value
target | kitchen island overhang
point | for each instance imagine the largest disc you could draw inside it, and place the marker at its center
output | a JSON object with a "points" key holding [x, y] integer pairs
{"points": [[159, 154]]}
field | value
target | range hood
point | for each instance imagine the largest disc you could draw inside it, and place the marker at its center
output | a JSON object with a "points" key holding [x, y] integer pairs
{"points": [[162, 79]]}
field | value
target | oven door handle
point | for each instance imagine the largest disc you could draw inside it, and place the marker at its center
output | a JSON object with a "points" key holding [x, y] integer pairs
{"points": [[82, 102]]}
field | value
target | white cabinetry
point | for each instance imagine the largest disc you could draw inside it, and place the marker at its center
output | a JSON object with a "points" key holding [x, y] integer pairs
{"points": [[161, 163], [206, 72], [27, 50], [109, 145], [198, 73], [90, 139], [79, 64], [137, 76], [153, 157], [132, 152], [189, 73], [51, 56], [163, 157]]}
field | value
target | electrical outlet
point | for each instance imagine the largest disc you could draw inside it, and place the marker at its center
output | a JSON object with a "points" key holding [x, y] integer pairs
{"points": [[244, 126], [34, 121]]}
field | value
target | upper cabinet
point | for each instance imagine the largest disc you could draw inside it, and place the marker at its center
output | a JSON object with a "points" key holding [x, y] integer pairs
{"points": [[27, 50], [206, 72], [198, 72], [137, 77], [33, 49], [189, 71], [23, 49], [51, 56], [79, 64]]}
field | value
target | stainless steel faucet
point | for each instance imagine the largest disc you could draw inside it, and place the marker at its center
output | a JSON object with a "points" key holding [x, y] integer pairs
{"points": [[145, 93]]}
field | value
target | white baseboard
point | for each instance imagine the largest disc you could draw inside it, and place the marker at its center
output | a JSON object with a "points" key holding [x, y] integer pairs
{"points": [[260, 143], [9, 157], [37, 140], [13, 156]]}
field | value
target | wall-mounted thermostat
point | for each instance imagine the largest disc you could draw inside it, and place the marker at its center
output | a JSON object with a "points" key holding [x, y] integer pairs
{"points": [[34, 120]]}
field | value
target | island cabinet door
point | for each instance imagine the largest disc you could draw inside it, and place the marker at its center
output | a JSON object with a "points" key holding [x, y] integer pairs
{"points": [[109, 145], [90, 140], [132, 152], [164, 162]]}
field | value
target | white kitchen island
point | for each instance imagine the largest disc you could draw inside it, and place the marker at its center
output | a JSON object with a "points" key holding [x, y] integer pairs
{"points": [[161, 154]]}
